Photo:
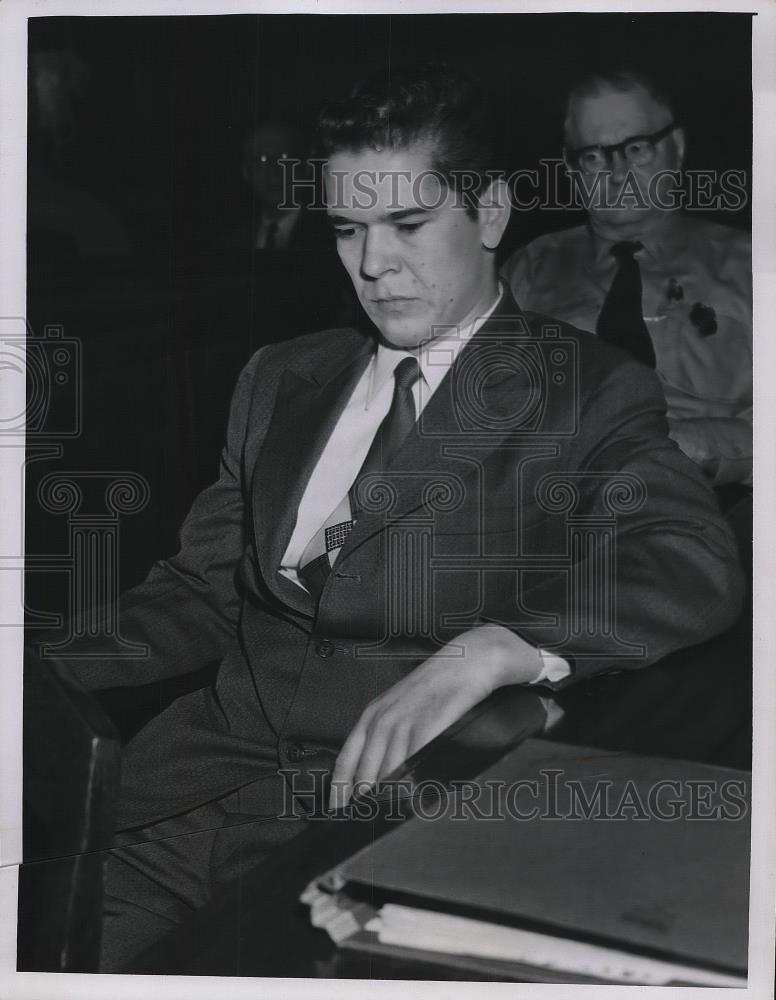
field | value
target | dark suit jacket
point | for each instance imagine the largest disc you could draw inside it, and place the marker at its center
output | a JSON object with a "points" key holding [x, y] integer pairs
{"points": [[541, 445]]}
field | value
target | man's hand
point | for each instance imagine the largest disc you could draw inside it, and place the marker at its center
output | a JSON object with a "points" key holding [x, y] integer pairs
{"points": [[427, 701]]}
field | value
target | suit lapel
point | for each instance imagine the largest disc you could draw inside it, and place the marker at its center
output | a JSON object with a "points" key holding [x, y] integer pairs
{"points": [[479, 402], [311, 396]]}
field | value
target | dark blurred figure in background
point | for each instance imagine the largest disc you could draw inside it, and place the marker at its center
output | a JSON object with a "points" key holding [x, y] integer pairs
{"points": [[296, 285], [266, 149], [63, 219], [268, 226], [672, 288]]}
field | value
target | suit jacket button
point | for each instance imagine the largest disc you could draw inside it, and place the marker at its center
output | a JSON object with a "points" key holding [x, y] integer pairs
{"points": [[295, 751], [325, 648]]}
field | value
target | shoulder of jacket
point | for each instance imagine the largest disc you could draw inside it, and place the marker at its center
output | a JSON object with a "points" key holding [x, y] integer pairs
{"points": [[306, 347], [594, 360]]}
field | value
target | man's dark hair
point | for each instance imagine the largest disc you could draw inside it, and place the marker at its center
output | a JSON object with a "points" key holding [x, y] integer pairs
{"points": [[431, 103]]}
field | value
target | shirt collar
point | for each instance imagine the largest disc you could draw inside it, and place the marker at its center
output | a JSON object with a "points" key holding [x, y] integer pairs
{"points": [[659, 239], [435, 357]]}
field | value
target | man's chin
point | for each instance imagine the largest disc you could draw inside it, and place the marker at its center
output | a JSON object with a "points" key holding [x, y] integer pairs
{"points": [[403, 335], [621, 222]]}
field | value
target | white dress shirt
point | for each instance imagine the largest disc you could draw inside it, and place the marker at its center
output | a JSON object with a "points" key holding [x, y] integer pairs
{"points": [[347, 447]]}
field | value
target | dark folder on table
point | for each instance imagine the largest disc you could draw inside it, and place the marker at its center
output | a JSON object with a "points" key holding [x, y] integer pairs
{"points": [[645, 855]]}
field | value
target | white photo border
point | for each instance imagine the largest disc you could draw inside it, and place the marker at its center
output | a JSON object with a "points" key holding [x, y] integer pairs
{"points": [[13, 161]]}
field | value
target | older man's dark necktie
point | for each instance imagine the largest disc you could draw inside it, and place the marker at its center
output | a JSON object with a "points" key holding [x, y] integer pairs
{"points": [[318, 557], [620, 321]]}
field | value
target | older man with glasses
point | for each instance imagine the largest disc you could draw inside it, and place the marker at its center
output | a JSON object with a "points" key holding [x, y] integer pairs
{"points": [[672, 289]]}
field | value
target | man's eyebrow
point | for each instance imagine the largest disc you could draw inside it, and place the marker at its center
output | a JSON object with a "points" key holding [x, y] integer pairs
{"points": [[398, 216], [405, 212]]}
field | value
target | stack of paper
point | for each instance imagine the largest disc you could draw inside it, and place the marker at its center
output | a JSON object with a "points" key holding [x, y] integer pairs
{"points": [[606, 867]]}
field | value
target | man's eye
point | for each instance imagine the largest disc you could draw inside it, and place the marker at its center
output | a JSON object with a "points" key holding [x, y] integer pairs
{"points": [[591, 158], [409, 227], [344, 234]]}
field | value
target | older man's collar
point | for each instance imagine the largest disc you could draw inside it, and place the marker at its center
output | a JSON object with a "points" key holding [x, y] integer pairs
{"points": [[661, 234]]}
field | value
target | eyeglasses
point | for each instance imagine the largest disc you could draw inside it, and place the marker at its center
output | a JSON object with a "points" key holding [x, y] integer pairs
{"points": [[637, 151]]}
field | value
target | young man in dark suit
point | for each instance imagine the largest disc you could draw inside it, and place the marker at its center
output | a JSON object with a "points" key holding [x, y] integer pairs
{"points": [[388, 540]]}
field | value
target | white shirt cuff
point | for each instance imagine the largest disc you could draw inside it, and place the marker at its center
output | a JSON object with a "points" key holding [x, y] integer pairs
{"points": [[554, 668]]}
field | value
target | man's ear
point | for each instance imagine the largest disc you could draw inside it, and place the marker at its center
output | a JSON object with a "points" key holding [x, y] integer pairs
{"points": [[493, 212]]}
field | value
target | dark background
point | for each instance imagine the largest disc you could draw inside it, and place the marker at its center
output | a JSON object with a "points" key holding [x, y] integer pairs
{"points": [[138, 123], [158, 126]]}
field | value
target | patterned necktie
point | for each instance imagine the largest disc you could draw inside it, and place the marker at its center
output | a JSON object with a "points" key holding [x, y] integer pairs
{"points": [[620, 321], [320, 554]]}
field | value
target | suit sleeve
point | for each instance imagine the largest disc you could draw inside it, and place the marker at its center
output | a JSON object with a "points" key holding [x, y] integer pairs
{"points": [[185, 612], [675, 578], [721, 446]]}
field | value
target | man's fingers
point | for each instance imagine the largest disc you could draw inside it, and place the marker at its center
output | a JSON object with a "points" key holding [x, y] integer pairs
{"points": [[345, 767], [396, 753], [375, 746]]}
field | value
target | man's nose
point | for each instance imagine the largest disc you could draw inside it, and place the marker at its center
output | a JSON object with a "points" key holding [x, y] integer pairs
{"points": [[379, 254], [619, 166]]}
